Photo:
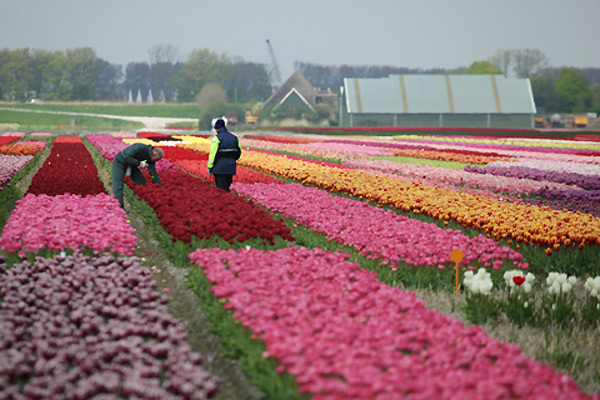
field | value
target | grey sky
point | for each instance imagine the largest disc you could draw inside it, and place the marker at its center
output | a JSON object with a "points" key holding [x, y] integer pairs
{"points": [[402, 33]]}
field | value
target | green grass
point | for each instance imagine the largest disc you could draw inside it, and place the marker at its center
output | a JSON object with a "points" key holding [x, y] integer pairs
{"points": [[425, 161], [125, 109], [39, 121]]}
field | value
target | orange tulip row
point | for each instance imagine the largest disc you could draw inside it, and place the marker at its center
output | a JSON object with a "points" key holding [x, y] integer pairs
{"points": [[445, 156], [19, 149]]}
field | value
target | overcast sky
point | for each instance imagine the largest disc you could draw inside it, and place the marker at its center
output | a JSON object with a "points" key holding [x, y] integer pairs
{"points": [[401, 33]]}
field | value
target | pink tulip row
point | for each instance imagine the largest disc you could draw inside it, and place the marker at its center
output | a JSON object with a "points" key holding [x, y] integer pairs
{"points": [[10, 165], [432, 183], [345, 335], [336, 151], [499, 184], [377, 233], [551, 165], [68, 221], [16, 134], [497, 146]]}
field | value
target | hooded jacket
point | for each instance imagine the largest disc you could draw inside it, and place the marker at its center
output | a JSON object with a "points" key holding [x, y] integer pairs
{"points": [[224, 151]]}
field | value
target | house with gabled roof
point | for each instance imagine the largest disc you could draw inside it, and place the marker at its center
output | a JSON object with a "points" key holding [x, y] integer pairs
{"points": [[296, 91]]}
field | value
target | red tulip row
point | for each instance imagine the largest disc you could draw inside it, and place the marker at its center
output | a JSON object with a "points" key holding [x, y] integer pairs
{"points": [[188, 206], [68, 169]]}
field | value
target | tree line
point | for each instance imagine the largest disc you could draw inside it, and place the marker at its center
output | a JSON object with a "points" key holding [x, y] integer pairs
{"points": [[80, 75]]}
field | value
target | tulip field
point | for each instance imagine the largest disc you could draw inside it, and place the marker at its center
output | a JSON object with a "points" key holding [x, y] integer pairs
{"points": [[412, 266]]}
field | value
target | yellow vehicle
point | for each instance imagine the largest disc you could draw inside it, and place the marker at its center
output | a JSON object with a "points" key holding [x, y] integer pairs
{"points": [[251, 119], [580, 121]]}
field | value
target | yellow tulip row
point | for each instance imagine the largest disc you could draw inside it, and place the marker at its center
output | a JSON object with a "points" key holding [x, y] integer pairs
{"points": [[141, 140], [192, 139], [528, 143], [500, 220]]}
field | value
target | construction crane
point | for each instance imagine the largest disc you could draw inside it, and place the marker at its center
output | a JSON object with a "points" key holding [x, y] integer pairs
{"points": [[276, 75]]}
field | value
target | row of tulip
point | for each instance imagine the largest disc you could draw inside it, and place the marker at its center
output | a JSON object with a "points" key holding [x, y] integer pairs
{"points": [[467, 177], [448, 156], [455, 188], [501, 220], [325, 150], [13, 134], [70, 221], [584, 181], [188, 206], [22, 148], [344, 334], [552, 166], [69, 168], [573, 200], [4, 140], [10, 165], [377, 233], [79, 328], [538, 147]]}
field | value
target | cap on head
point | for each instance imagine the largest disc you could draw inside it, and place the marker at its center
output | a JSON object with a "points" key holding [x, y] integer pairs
{"points": [[219, 124], [159, 152]]}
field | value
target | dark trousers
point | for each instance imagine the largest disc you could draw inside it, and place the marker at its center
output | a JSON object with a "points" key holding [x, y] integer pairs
{"points": [[118, 174], [223, 181]]}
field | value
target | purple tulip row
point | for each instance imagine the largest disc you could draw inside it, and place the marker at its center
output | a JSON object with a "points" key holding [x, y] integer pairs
{"points": [[75, 328], [584, 181]]}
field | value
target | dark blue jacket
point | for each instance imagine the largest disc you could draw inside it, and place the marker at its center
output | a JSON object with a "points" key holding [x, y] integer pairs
{"points": [[224, 151]]}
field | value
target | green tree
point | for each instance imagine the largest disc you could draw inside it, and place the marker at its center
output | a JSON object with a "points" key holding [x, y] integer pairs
{"points": [[16, 74], [572, 91], [211, 92], [55, 77], [596, 94], [543, 93], [503, 60], [482, 68], [529, 62], [203, 66], [83, 71]]}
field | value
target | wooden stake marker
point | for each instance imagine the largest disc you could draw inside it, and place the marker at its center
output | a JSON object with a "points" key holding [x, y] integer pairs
{"points": [[457, 256]]}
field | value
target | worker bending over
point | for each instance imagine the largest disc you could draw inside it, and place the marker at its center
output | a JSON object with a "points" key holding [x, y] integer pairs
{"points": [[129, 161]]}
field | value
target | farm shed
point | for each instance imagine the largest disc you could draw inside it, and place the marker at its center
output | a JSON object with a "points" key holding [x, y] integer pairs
{"points": [[480, 101]]}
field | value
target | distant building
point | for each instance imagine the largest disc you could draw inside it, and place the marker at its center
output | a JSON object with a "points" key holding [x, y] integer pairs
{"points": [[488, 101], [298, 91]]}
